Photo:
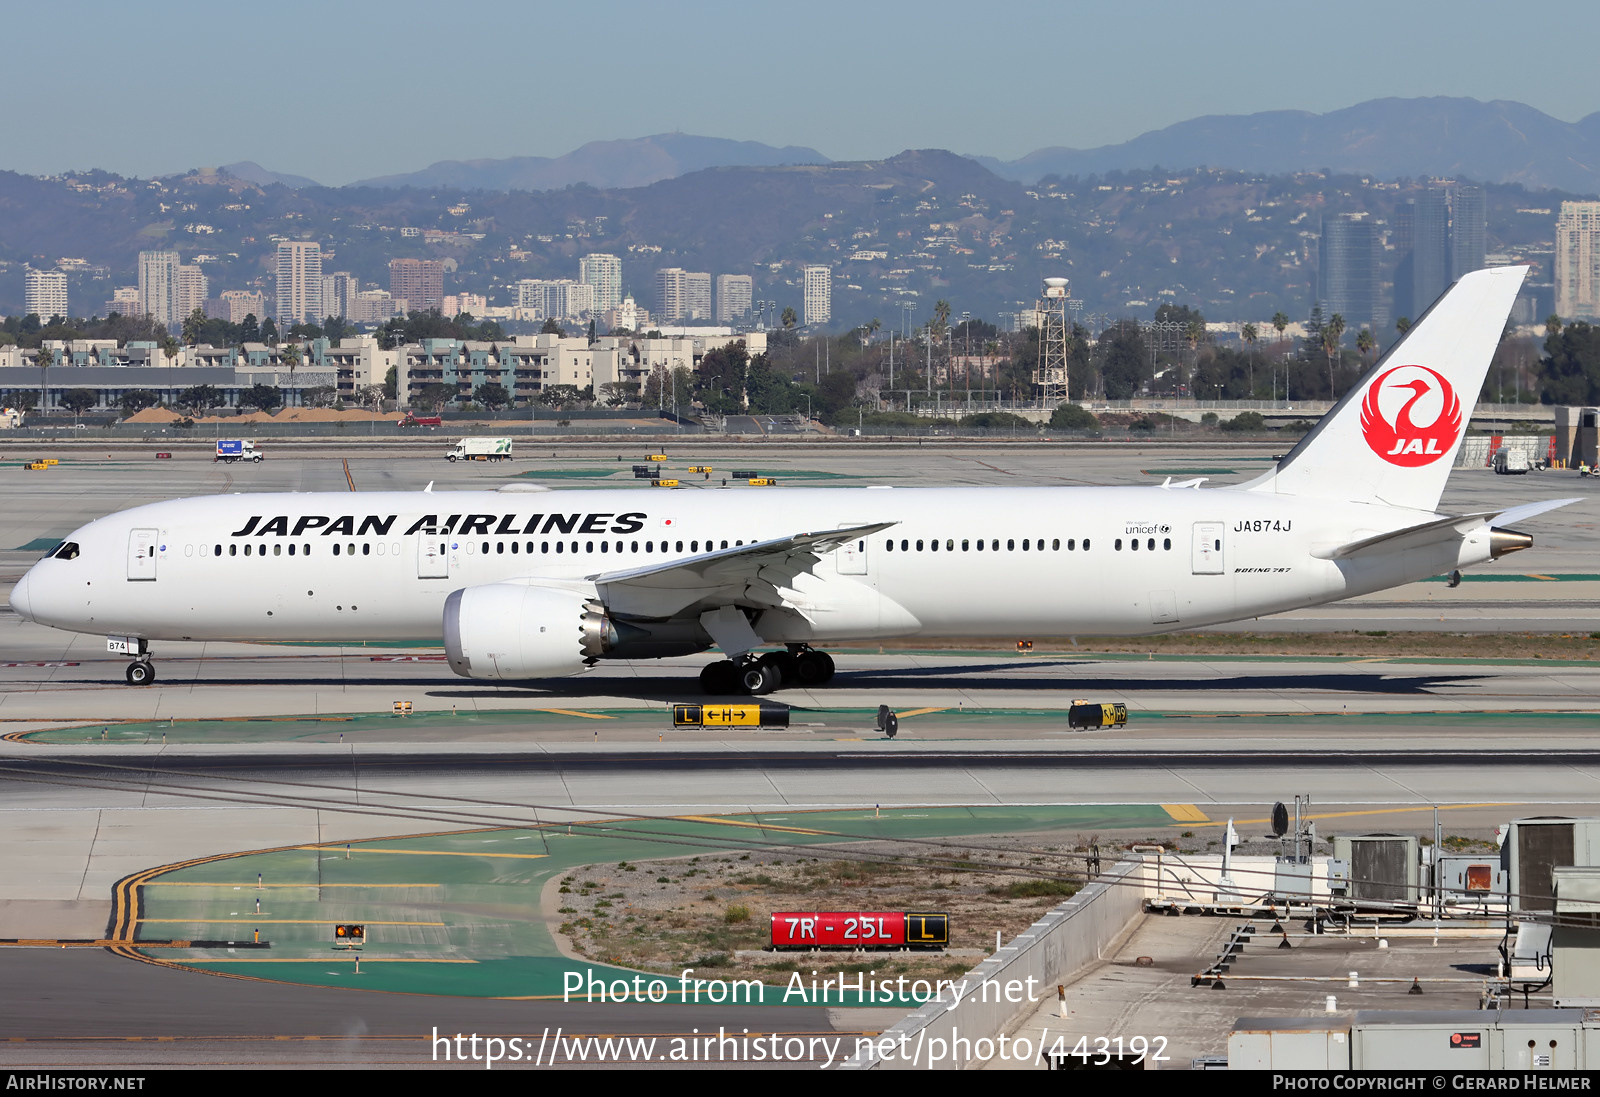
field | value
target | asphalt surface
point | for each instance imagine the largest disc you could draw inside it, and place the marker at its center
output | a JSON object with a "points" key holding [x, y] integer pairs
{"points": [[1374, 744]]}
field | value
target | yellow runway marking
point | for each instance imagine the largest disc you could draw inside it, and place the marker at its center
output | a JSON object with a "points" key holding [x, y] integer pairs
{"points": [[252, 886], [1185, 813], [275, 922], [432, 853], [39, 943], [742, 823], [575, 712], [1375, 811], [317, 960], [921, 712], [1546, 578]]}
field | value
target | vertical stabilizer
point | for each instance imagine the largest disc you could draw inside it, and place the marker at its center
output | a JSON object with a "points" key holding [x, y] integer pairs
{"points": [[1393, 438]]}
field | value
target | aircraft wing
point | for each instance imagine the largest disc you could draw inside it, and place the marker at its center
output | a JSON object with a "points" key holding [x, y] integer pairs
{"points": [[1440, 529], [748, 575]]}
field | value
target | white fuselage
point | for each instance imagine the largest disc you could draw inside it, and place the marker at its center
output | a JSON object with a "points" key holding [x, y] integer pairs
{"points": [[968, 562]]}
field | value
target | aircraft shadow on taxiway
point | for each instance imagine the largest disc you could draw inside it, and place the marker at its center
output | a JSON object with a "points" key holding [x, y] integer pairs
{"points": [[968, 679]]}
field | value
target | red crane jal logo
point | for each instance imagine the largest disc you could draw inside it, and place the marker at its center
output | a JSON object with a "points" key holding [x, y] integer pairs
{"points": [[1411, 416]]}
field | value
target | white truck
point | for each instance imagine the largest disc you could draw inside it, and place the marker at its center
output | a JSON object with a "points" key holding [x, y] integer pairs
{"points": [[481, 449], [1511, 462], [237, 449]]}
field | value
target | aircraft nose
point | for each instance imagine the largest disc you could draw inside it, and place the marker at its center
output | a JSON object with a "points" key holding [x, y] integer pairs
{"points": [[19, 597]]}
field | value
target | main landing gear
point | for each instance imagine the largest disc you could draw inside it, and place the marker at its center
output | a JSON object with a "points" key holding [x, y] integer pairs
{"points": [[141, 672], [758, 675]]}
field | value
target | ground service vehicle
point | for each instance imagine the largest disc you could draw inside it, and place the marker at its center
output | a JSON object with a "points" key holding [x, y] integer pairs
{"points": [[1511, 461], [521, 586], [422, 421], [481, 449], [234, 449]]}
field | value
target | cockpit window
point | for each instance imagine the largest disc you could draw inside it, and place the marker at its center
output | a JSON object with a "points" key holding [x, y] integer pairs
{"points": [[68, 550]]}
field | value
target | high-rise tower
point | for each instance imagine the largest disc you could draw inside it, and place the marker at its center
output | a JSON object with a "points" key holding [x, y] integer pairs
{"points": [[299, 282]]}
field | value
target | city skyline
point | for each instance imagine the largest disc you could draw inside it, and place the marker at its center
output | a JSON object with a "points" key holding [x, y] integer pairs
{"points": [[869, 111]]}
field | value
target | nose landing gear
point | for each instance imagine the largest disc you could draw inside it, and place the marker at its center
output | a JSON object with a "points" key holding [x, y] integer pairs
{"points": [[141, 672]]}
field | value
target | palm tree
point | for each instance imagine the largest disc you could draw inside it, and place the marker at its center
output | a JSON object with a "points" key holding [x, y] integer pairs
{"points": [[1281, 323], [1331, 333], [46, 359], [1403, 325], [1366, 343], [291, 358], [1552, 326], [1249, 334]]}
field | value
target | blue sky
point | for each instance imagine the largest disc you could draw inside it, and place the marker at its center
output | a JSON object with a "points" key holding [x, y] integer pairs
{"points": [[310, 88]]}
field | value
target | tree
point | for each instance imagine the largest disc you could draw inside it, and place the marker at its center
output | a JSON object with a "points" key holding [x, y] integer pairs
{"points": [[552, 327], [1366, 343], [320, 396], [492, 395], [291, 358], [1570, 370], [789, 318], [79, 401], [46, 359], [263, 397], [1124, 361], [1072, 417], [391, 383], [269, 332], [668, 388], [249, 329], [721, 379], [136, 400], [1251, 336], [193, 325], [201, 398], [1403, 325], [1332, 332], [436, 395]]}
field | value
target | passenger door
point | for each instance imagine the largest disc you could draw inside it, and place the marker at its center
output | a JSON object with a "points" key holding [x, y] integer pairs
{"points": [[1208, 548], [142, 547], [851, 556], [432, 561]]}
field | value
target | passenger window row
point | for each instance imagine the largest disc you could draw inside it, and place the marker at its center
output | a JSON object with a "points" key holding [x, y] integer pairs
{"points": [[1029, 544], [485, 547]]}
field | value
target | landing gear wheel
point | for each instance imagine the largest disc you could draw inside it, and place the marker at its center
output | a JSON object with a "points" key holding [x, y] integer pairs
{"points": [[758, 678], [785, 664], [141, 673], [721, 677], [813, 668]]}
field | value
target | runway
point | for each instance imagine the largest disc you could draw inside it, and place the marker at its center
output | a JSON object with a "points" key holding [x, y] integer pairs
{"points": [[204, 763]]}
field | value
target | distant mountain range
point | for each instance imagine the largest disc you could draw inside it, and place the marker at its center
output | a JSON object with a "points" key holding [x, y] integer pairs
{"points": [[603, 164], [1495, 142], [252, 172]]}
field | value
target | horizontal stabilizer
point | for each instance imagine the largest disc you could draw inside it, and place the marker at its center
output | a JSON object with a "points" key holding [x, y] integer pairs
{"points": [[1528, 510], [1439, 530]]}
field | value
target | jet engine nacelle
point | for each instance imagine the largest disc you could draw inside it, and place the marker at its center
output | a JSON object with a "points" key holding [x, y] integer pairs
{"points": [[515, 631]]}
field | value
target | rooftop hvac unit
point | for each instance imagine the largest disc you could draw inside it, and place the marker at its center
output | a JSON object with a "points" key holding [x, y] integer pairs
{"points": [[1534, 848], [1383, 867]]}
